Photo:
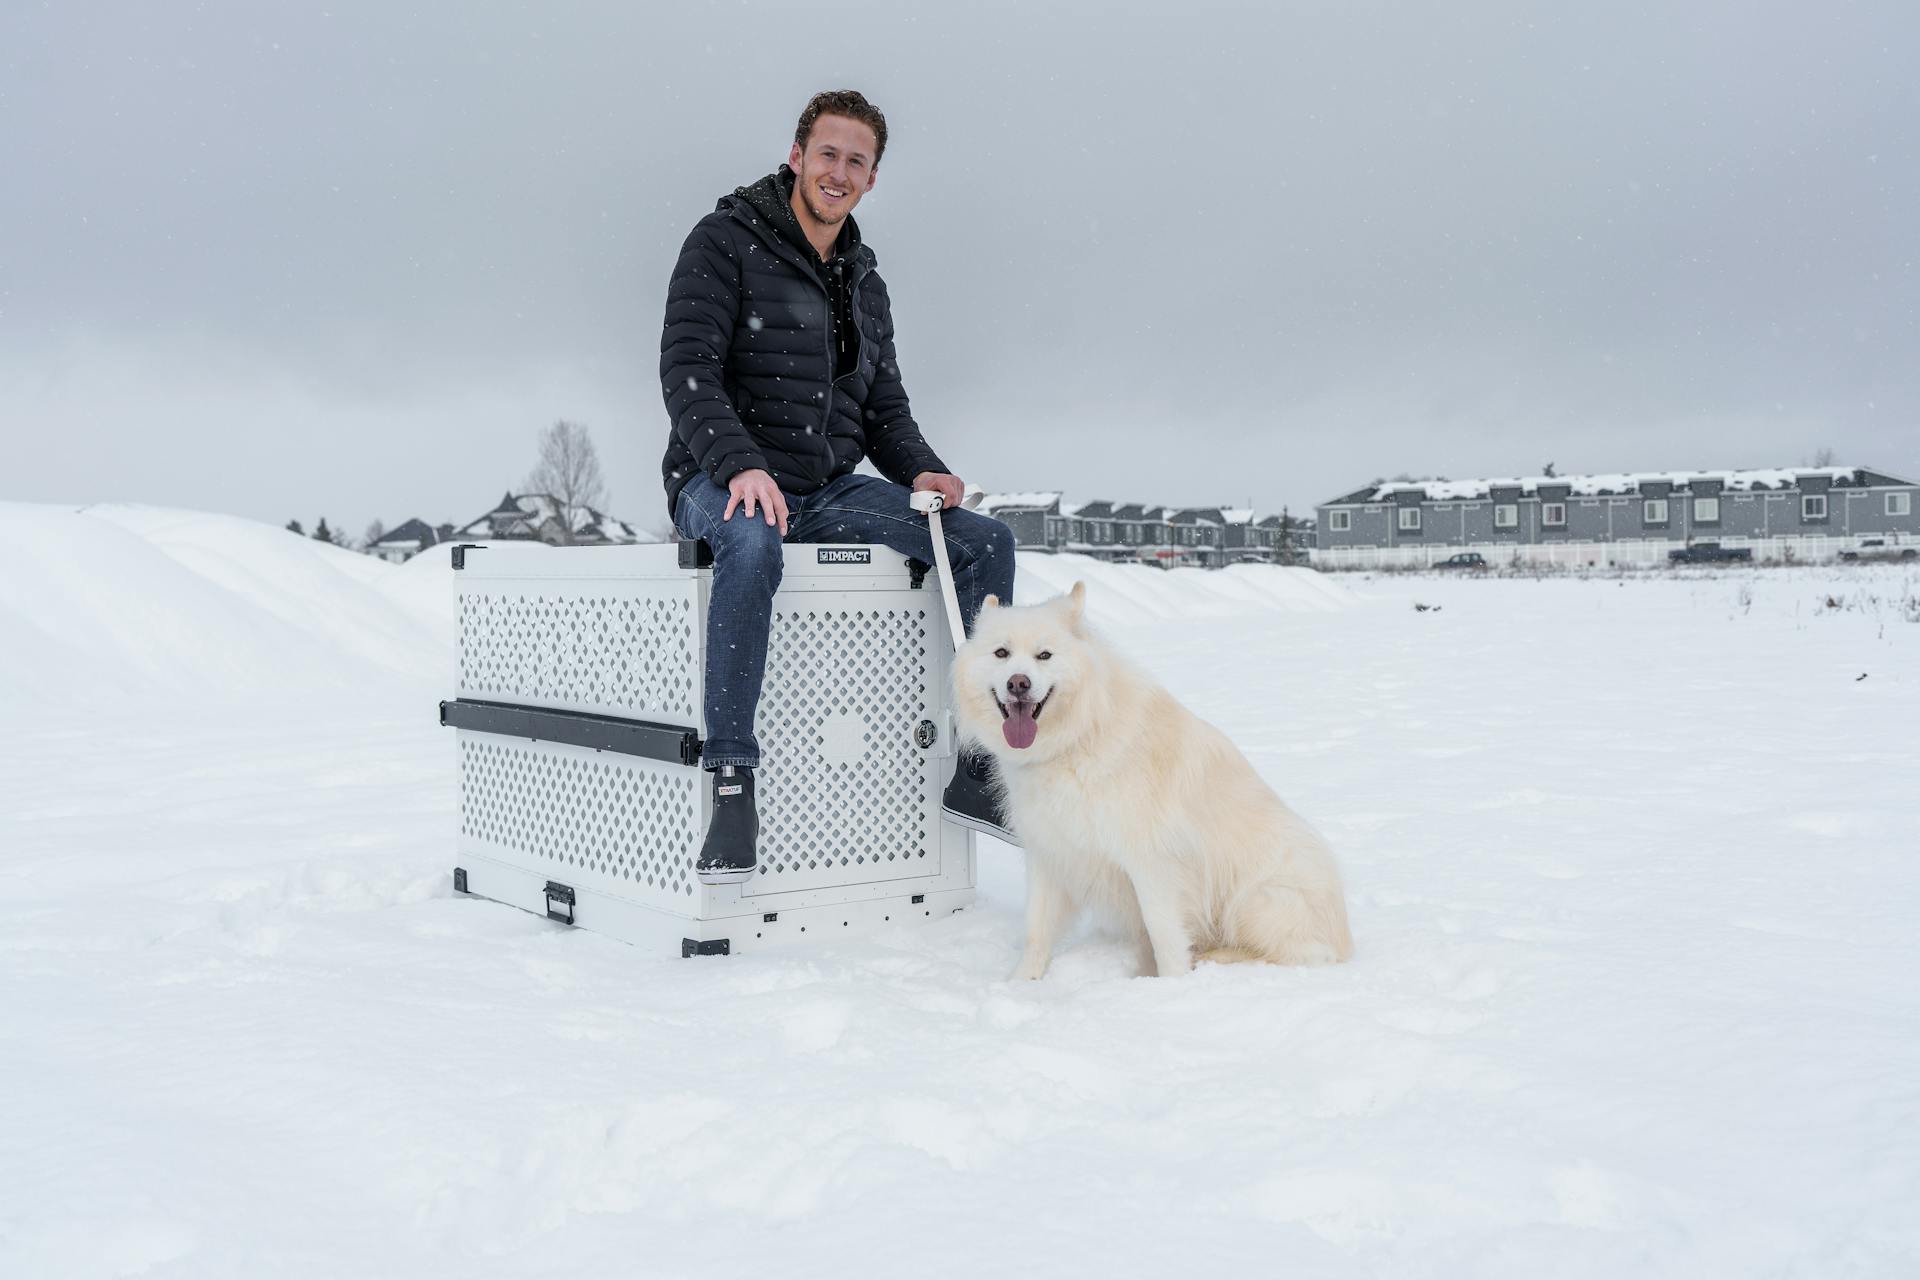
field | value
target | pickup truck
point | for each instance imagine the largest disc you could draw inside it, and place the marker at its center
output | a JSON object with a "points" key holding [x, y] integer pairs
{"points": [[1881, 549], [1707, 553]]}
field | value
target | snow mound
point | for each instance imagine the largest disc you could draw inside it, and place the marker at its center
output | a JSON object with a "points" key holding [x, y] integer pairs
{"points": [[109, 602], [106, 603]]}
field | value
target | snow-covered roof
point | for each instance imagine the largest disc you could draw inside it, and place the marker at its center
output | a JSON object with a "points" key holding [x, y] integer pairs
{"points": [[415, 533], [525, 515], [1589, 485], [1018, 501], [1237, 515]]}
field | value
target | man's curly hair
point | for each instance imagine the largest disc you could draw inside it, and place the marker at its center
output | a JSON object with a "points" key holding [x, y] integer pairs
{"points": [[843, 102]]}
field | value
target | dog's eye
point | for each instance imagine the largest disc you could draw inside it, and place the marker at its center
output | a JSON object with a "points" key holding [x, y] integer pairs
{"points": [[999, 653], [1044, 654]]}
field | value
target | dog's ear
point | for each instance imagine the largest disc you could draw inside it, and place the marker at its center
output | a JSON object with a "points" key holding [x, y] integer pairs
{"points": [[1077, 604], [991, 602]]}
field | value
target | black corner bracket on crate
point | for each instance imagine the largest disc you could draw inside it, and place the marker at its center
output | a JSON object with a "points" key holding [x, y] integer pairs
{"points": [[696, 554], [717, 947], [674, 744]]}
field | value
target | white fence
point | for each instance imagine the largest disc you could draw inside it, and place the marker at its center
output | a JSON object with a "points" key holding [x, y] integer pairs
{"points": [[1810, 550]]}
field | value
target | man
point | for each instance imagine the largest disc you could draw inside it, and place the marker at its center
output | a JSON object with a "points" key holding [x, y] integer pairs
{"points": [[777, 363]]}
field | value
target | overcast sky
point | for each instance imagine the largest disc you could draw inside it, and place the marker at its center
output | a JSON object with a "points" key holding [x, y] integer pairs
{"points": [[293, 259]]}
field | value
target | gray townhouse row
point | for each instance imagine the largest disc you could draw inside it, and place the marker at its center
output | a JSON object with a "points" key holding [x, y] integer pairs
{"points": [[1804, 513], [1205, 537]]}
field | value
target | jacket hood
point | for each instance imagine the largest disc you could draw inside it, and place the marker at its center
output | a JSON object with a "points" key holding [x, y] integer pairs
{"points": [[772, 199]]}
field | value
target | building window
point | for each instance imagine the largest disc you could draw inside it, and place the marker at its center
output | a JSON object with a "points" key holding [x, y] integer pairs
{"points": [[1553, 515], [1410, 519], [1706, 511], [1654, 511], [1340, 521], [1506, 515], [1813, 506], [1899, 504]]}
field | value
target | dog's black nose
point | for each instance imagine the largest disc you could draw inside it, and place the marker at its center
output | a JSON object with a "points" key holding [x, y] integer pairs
{"points": [[1019, 686]]}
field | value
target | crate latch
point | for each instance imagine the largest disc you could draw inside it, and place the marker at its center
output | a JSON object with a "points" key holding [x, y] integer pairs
{"points": [[558, 896]]}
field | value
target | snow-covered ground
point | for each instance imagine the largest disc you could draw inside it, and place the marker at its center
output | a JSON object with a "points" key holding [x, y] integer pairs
{"points": [[1634, 882]]}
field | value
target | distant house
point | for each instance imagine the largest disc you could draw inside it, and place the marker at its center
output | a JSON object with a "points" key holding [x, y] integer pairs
{"points": [[1199, 536], [1806, 513], [1033, 517], [536, 517], [408, 540], [1284, 539], [1092, 530]]}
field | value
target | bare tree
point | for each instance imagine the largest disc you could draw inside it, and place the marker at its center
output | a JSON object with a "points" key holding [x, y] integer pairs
{"points": [[1823, 456], [374, 533], [569, 473]]}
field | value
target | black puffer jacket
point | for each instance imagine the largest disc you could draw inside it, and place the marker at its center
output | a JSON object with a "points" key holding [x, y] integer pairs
{"points": [[748, 353]]}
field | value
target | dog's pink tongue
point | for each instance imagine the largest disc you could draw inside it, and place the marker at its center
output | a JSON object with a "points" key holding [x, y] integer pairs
{"points": [[1020, 726]]}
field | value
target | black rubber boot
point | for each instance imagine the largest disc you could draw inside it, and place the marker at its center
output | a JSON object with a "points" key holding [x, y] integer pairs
{"points": [[728, 855], [972, 800]]}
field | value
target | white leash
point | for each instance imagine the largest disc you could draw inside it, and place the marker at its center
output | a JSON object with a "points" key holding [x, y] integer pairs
{"points": [[929, 503]]}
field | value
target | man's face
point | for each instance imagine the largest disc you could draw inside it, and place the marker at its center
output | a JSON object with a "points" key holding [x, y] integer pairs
{"points": [[836, 169]]}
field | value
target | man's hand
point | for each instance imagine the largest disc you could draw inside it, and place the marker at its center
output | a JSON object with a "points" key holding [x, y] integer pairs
{"points": [[950, 488], [755, 488]]}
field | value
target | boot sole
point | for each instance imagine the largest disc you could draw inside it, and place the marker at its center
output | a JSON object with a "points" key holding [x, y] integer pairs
{"points": [[981, 825], [729, 876]]}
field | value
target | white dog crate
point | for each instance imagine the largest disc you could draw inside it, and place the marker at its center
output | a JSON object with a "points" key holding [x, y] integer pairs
{"points": [[578, 718]]}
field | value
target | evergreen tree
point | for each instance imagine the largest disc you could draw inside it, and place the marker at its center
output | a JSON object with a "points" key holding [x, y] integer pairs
{"points": [[321, 533], [293, 526]]}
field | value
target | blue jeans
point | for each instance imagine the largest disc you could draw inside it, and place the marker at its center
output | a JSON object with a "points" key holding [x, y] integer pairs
{"points": [[747, 563]]}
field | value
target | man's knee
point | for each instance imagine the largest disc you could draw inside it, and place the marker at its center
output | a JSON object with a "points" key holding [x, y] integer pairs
{"points": [[747, 547]]}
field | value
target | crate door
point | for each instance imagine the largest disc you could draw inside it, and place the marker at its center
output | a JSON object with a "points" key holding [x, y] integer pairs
{"points": [[847, 793]]}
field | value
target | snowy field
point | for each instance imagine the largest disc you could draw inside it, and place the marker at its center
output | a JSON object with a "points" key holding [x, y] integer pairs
{"points": [[1634, 867]]}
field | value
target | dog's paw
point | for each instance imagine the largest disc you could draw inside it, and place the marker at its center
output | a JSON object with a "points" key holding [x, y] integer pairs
{"points": [[1029, 969], [1172, 966]]}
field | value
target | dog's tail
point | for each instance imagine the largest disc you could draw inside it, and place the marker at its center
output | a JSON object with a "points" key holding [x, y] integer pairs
{"points": [[1281, 925]]}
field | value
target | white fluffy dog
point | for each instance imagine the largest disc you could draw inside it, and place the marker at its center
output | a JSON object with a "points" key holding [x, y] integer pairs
{"points": [[1129, 804]]}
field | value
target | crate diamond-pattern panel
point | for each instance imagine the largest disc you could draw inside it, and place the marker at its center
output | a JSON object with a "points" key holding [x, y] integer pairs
{"points": [[593, 820], [853, 727], [629, 655], [844, 793]]}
